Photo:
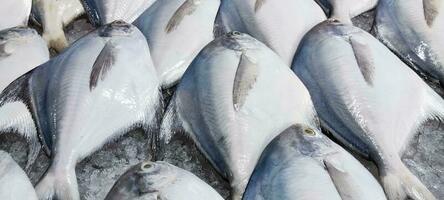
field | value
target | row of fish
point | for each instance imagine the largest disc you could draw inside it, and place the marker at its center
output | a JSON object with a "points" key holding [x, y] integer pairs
{"points": [[257, 120]]}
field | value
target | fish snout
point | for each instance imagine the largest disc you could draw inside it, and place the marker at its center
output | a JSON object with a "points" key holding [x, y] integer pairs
{"points": [[116, 28]]}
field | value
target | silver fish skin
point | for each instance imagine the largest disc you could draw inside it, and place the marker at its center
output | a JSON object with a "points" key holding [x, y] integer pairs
{"points": [[100, 88], [413, 30], [14, 183], [176, 30], [345, 10], [349, 74], [229, 102], [14, 13], [160, 181], [302, 163], [21, 50], [259, 18], [107, 11], [54, 15]]}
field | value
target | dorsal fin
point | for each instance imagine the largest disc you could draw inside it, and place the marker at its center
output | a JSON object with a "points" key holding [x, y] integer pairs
{"points": [[431, 10], [102, 65], [246, 75], [364, 58], [187, 8], [258, 5]]}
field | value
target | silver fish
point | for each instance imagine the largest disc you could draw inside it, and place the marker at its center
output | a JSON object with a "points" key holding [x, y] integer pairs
{"points": [[280, 24], [21, 49], [103, 12], [14, 13], [302, 163], [350, 77], [53, 16], [344, 10], [103, 86], [230, 103], [176, 30], [14, 183], [160, 181], [413, 30]]}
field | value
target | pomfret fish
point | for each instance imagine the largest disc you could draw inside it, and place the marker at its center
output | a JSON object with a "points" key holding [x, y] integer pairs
{"points": [[160, 181], [100, 88], [230, 102], [350, 76], [302, 163]]}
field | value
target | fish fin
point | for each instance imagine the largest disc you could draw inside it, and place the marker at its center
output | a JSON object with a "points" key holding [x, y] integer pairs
{"points": [[431, 10], [105, 60], [61, 184], [325, 6], [152, 128], [187, 8], [170, 126], [364, 58], [258, 5], [91, 10], [333, 164], [246, 75], [219, 28], [400, 183], [341, 178], [16, 116]]}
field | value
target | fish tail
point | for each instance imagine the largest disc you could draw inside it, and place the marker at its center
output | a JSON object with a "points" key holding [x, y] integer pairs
{"points": [[33, 152], [58, 184], [400, 183], [56, 40]]}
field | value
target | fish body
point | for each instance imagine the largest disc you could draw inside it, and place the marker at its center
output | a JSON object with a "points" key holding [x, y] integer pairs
{"points": [[14, 13], [350, 77], [54, 15], [302, 163], [280, 24], [160, 181], [102, 87], [14, 183], [413, 30], [103, 12], [230, 103], [176, 31]]}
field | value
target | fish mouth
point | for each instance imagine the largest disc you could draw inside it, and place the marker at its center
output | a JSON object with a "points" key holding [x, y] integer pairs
{"points": [[116, 28]]}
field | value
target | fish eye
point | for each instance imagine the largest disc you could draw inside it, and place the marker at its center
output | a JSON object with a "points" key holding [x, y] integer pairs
{"points": [[146, 166], [309, 132], [234, 33]]}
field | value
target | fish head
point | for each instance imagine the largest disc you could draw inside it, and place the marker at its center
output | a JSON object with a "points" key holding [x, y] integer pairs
{"points": [[144, 179], [308, 140], [239, 41], [116, 28]]}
